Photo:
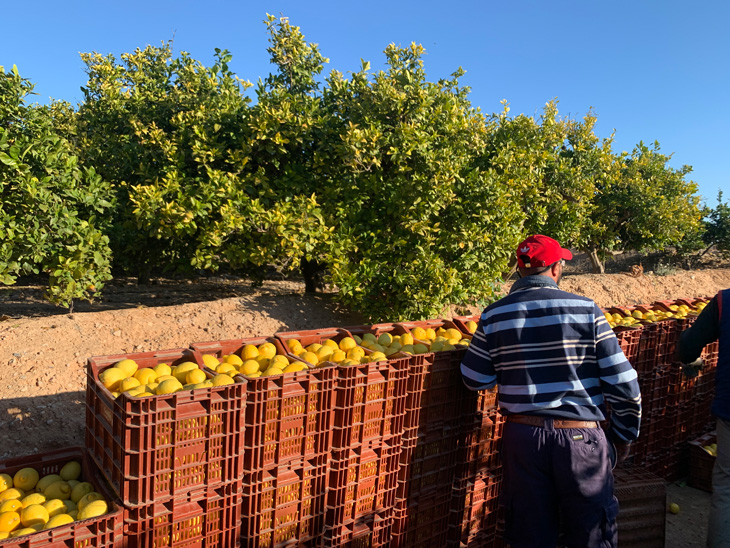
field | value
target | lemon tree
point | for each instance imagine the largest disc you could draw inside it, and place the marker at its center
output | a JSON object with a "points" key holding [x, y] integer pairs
{"points": [[53, 210]]}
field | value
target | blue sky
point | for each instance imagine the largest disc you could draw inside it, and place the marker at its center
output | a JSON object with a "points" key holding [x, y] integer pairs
{"points": [[650, 69]]}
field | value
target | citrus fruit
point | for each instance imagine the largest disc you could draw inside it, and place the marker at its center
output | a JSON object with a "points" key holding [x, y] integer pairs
{"points": [[33, 515], [128, 366], [162, 369], [111, 378], [58, 490], [9, 521], [267, 349], [249, 367], [6, 482], [195, 376], [58, 520], [87, 499], [346, 343], [209, 360], [55, 507], [93, 509], [25, 478], [249, 352], [81, 490], [145, 375], [12, 505], [233, 359], [222, 379], [33, 498]]}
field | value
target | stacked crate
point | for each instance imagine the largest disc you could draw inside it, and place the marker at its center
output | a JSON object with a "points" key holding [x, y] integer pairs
{"points": [[365, 437], [174, 460], [642, 501], [285, 443]]}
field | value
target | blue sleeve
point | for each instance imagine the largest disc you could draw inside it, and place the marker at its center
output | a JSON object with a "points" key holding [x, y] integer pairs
{"points": [[619, 382], [477, 369]]}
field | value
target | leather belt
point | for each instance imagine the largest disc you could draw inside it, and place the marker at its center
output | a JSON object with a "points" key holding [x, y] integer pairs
{"points": [[557, 423]]}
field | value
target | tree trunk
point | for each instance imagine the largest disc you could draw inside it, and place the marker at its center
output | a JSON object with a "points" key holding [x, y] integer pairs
{"points": [[312, 274], [512, 267], [598, 266]]}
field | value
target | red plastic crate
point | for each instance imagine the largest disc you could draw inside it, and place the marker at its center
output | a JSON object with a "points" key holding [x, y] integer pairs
{"points": [[701, 462], [372, 531], [284, 506], [361, 482], [207, 518], [479, 453], [628, 339], [156, 448], [642, 507], [429, 463], [101, 532], [425, 523], [370, 405], [460, 322], [288, 417]]}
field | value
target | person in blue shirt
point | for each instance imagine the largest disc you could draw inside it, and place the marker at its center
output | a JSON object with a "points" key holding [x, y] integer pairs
{"points": [[713, 324], [557, 363]]}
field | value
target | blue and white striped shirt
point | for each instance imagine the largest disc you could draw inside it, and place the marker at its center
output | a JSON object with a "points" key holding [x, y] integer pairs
{"points": [[553, 354]]}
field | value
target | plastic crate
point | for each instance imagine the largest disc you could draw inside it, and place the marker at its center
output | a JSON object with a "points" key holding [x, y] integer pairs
{"points": [[425, 523], [210, 517], [475, 509], [479, 453], [628, 339], [155, 448], [460, 322], [642, 507], [372, 531], [701, 462], [100, 532], [429, 463], [370, 403], [288, 417], [361, 482], [284, 506]]}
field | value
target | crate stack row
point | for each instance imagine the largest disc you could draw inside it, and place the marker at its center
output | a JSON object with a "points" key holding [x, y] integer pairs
{"points": [[676, 409], [394, 453]]}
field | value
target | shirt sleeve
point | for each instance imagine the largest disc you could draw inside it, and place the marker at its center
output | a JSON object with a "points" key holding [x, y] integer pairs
{"points": [[477, 369], [619, 383], [703, 331]]}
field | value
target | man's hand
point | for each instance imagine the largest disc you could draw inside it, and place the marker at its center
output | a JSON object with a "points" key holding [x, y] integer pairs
{"points": [[691, 370]]}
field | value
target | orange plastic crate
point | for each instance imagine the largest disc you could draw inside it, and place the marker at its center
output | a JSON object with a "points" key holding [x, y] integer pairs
{"points": [[155, 448], [102, 532]]}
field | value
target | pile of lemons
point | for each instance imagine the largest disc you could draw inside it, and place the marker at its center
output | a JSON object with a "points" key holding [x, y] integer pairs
{"points": [[254, 361], [126, 377], [656, 314], [30, 503]]}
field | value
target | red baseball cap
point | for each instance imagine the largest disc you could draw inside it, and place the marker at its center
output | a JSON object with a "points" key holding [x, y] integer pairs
{"points": [[539, 250]]}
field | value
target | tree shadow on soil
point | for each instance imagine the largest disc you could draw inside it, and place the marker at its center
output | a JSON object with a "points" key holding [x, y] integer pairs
{"points": [[41, 423]]}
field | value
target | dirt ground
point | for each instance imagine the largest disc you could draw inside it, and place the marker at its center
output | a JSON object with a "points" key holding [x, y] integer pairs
{"points": [[44, 349]]}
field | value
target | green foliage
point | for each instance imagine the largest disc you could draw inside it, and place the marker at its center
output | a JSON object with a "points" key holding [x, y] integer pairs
{"points": [[419, 226], [50, 206], [717, 225]]}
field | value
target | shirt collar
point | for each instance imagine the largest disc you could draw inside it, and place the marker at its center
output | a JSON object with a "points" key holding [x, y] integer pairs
{"points": [[533, 281]]}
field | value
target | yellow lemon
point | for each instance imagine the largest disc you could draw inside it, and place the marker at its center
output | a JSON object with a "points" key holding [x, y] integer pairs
{"points": [[348, 362], [471, 325], [209, 360], [9, 521], [93, 509], [162, 369], [81, 490], [249, 367], [25, 479], [136, 391], [377, 357], [313, 347], [195, 376], [249, 352], [11, 505], [87, 499], [294, 367], [168, 386], [331, 343], [47, 480], [271, 371], [4, 535], [6, 482], [406, 339], [55, 507], [111, 378], [233, 360], [310, 357], [419, 333], [355, 353], [267, 349], [26, 531], [128, 384], [181, 370], [279, 359], [33, 498], [128, 366], [452, 333], [324, 352], [58, 520], [58, 490], [226, 368], [338, 356], [145, 375], [33, 515], [346, 343], [222, 379]]}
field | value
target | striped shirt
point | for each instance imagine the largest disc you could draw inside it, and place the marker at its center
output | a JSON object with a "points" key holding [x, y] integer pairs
{"points": [[553, 354]]}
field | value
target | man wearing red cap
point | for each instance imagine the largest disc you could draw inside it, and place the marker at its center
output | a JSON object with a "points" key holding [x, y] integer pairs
{"points": [[557, 363]]}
